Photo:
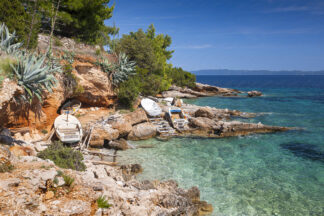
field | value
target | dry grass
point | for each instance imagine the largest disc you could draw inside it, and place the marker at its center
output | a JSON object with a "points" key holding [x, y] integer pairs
{"points": [[5, 69]]}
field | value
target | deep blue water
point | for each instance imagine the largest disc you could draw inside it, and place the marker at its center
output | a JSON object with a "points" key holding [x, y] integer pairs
{"points": [[264, 174]]}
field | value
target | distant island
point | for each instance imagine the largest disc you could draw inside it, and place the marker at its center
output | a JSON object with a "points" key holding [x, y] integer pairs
{"points": [[254, 72]]}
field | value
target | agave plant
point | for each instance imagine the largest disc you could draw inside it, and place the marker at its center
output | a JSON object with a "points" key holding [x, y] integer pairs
{"points": [[33, 75], [122, 70], [7, 40]]}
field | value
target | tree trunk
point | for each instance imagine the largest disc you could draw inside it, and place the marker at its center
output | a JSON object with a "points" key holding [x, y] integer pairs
{"points": [[32, 24], [53, 20]]}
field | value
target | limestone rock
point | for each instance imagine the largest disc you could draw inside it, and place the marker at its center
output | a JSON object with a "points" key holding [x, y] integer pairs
{"points": [[120, 144], [101, 133], [11, 182], [177, 102], [177, 94], [136, 117], [201, 122], [254, 93], [123, 126], [49, 195], [214, 90], [73, 207], [22, 151], [204, 112], [130, 170], [142, 131], [97, 87]]}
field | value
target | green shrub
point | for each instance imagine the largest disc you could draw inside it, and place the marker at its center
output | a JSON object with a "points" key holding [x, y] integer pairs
{"points": [[5, 68], [57, 42], [63, 157], [128, 92], [71, 81], [6, 167], [182, 78], [68, 56], [44, 131], [68, 180], [98, 52], [103, 202]]}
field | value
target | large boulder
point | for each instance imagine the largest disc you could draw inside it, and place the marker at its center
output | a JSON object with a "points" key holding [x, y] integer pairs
{"points": [[142, 131], [201, 122], [97, 89], [123, 126], [204, 112], [254, 93], [136, 117], [102, 133]]}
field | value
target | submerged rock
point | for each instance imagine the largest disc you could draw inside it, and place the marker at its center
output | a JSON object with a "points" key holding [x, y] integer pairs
{"points": [[120, 144], [306, 151]]}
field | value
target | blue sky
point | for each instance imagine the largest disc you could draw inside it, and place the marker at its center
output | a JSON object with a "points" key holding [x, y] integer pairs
{"points": [[241, 34]]}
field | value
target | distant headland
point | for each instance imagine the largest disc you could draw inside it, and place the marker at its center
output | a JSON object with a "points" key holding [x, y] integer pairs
{"points": [[254, 72]]}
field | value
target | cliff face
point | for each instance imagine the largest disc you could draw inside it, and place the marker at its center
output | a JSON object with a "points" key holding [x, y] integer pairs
{"points": [[94, 89]]}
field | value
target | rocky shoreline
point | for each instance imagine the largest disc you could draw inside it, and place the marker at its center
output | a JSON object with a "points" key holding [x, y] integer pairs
{"points": [[111, 130], [27, 189]]}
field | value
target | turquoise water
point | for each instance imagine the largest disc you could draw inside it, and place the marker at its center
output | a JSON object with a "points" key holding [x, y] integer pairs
{"points": [[264, 174]]}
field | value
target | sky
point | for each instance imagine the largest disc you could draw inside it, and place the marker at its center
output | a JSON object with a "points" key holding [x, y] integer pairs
{"points": [[232, 34]]}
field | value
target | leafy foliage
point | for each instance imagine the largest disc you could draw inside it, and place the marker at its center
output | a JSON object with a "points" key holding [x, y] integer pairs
{"points": [[63, 157], [68, 180], [70, 80], [102, 202], [182, 78], [122, 70], [5, 69], [57, 42], [128, 92], [81, 19], [153, 73], [14, 14], [7, 40], [34, 75], [69, 56]]}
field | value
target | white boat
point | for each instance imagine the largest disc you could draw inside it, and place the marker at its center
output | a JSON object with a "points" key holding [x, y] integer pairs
{"points": [[177, 118], [68, 128], [71, 107], [151, 107]]}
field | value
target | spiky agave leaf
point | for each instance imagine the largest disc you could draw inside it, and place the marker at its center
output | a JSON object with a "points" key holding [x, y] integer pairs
{"points": [[123, 69], [34, 75], [7, 40]]}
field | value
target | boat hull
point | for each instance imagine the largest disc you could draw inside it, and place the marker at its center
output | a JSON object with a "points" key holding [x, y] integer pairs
{"points": [[68, 129]]}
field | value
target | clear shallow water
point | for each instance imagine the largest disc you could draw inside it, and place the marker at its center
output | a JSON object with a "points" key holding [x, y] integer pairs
{"points": [[269, 174]]}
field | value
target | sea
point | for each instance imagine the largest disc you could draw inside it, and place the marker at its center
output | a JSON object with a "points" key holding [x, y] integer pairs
{"points": [[262, 174]]}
